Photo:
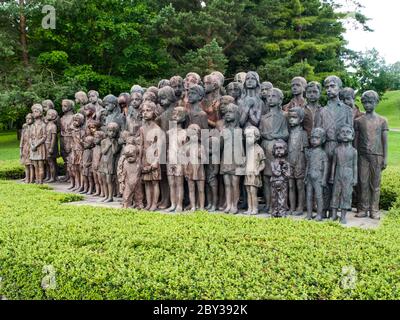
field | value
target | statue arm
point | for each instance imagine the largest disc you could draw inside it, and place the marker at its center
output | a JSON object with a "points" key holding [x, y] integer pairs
{"points": [[355, 168], [385, 148], [333, 169], [325, 171]]}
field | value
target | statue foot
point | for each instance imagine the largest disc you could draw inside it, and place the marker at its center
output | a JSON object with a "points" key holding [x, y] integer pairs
{"points": [[362, 215], [170, 209], [309, 217], [153, 208], [70, 188], [108, 200], [375, 216], [343, 220], [318, 218], [234, 210], [212, 209], [298, 213], [227, 210], [193, 209], [163, 206], [254, 212], [208, 207], [178, 209]]}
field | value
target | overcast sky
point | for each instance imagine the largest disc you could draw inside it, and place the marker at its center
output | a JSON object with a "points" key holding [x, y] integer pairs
{"points": [[385, 21]]}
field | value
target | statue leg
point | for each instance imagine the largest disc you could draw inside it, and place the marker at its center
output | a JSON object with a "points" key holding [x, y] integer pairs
{"points": [[147, 187], [200, 190], [249, 201], [155, 185], [364, 177], [192, 195], [228, 192], [310, 201], [301, 194], [267, 192], [376, 174], [173, 193], [180, 192], [292, 195]]}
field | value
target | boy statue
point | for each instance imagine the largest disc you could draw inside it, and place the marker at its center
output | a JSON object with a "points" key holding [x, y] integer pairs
{"points": [[371, 143]]}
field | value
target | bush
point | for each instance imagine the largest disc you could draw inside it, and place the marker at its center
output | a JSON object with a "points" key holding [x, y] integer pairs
{"points": [[12, 170], [390, 188], [101, 253]]}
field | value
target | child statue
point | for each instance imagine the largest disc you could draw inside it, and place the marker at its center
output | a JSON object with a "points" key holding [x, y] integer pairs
{"points": [[279, 179], [265, 89], [176, 83], [235, 90], [52, 144], [298, 143], [255, 164], [130, 175], [313, 94], [212, 100], [81, 99], [176, 140], [372, 146], [86, 167], [24, 148], [196, 114], [348, 96], [75, 157], [113, 111], [252, 104], [316, 173], [212, 173], [232, 161], [37, 138], [134, 117], [109, 152], [194, 172], [298, 86], [95, 101], [343, 173], [99, 136], [153, 139], [123, 102], [273, 127], [66, 134]]}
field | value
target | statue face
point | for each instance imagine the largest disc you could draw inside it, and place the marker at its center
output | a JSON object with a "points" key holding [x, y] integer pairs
{"points": [[178, 88], [297, 88], [109, 106], [29, 120], [50, 117], [76, 123], [315, 140], [250, 136], [209, 84], [92, 129], [264, 91], [92, 98], [112, 132], [178, 116], [273, 99], [230, 115], [279, 150], [164, 100], [346, 134], [313, 94], [251, 82], [193, 96], [189, 81], [148, 113], [369, 103], [332, 90], [37, 113], [131, 157], [348, 100], [66, 107], [136, 100], [294, 119], [234, 91]]}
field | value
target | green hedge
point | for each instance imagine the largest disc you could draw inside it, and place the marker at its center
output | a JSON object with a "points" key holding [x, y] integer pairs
{"points": [[124, 254], [12, 169]]}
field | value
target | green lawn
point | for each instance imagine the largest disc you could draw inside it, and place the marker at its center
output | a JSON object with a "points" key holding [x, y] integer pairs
{"points": [[125, 254], [9, 146]]}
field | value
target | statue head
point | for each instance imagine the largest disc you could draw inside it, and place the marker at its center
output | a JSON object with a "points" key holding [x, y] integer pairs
{"points": [[345, 134], [235, 89], [191, 79], [252, 134], [280, 149], [166, 96], [150, 96], [51, 115], [318, 137], [195, 94], [149, 110], [89, 110], [99, 136], [110, 102], [93, 126], [47, 105], [347, 96], [296, 116], [275, 98], [67, 105], [370, 100], [194, 132], [225, 100], [252, 80], [81, 98], [137, 88], [78, 120], [112, 130], [93, 96], [220, 77], [163, 83], [154, 90], [265, 88], [37, 110], [131, 153], [333, 84], [298, 86], [124, 99], [231, 113], [136, 99], [211, 83], [180, 115], [88, 142], [240, 77], [176, 83], [29, 118], [313, 91]]}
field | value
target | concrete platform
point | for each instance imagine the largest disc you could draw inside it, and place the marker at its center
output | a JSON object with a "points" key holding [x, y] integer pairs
{"points": [[89, 200]]}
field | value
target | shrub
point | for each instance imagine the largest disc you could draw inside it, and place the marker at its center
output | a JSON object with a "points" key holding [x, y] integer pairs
{"points": [[390, 187]]}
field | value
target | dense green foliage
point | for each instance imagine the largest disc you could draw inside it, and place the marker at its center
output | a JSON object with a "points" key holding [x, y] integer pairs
{"points": [[124, 254], [109, 45]]}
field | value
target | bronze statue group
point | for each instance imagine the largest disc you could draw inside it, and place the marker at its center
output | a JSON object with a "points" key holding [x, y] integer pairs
{"points": [[192, 143]]}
